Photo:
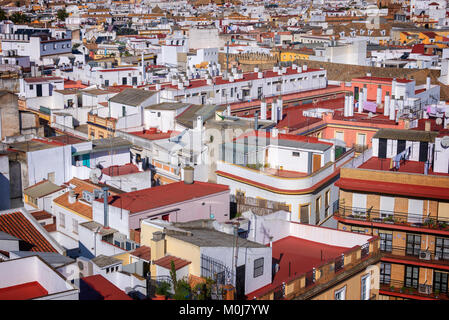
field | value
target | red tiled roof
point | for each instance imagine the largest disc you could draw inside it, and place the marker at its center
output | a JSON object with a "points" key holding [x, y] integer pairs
{"points": [[25, 291], [42, 79], [105, 288], [17, 225], [41, 215], [117, 170], [151, 135], [160, 196], [380, 79], [418, 48], [165, 262], [411, 190], [143, 252], [298, 256], [283, 136]]}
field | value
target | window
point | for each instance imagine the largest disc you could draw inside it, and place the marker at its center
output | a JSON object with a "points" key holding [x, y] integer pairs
{"points": [[386, 242], [340, 294], [365, 287], [258, 267], [106, 83], [327, 200], [107, 270], [51, 176], [295, 154], [440, 281], [413, 244], [31, 87], [158, 114], [442, 248], [75, 226], [304, 213], [317, 209], [358, 229], [123, 111], [62, 220], [411, 277], [385, 273]]}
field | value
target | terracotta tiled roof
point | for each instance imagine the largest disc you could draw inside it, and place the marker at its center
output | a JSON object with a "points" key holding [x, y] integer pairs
{"points": [[143, 252], [105, 288], [114, 171], [41, 215], [17, 225], [165, 262], [160, 196]]}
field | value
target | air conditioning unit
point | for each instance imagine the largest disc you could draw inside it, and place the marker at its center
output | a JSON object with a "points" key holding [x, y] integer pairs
{"points": [[424, 288], [85, 267], [424, 255]]}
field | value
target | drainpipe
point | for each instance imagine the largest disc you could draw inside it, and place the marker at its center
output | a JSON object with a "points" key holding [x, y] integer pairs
{"points": [[105, 201]]}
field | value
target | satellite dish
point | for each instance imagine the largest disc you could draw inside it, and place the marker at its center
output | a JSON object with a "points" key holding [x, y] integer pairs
{"points": [[445, 142], [439, 121]]}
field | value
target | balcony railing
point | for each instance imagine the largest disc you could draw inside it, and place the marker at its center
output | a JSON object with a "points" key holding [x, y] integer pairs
{"points": [[392, 217], [300, 284], [420, 254], [413, 287]]}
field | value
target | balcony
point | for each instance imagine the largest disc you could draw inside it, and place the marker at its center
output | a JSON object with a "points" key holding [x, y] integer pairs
{"points": [[104, 122], [320, 279], [411, 254], [418, 291], [402, 220]]}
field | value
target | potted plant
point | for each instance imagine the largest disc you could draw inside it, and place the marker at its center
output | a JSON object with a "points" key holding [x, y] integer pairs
{"points": [[392, 288], [162, 290], [403, 289], [182, 290]]}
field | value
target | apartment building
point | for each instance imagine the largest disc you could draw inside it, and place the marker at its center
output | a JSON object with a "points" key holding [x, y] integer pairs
{"points": [[296, 170], [404, 202]]}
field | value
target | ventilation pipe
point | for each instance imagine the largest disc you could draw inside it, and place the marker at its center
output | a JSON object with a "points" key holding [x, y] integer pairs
{"points": [[428, 83], [392, 108], [280, 107], [274, 111], [379, 95], [387, 104], [393, 87], [263, 110], [106, 206], [188, 175]]}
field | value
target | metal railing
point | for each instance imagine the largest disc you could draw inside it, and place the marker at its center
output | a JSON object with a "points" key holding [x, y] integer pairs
{"points": [[432, 255], [216, 270], [392, 217], [412, 287]]}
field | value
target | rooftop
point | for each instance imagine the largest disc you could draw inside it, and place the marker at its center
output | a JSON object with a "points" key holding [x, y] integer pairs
{"points": [[132, 97], [17, 225], [165, 262], [117, 170], [168, 106], [407, 135], [160, 196], [42, 189], [103, 261], [142, 252], [105, 288], [154, 135], [24, 291]]}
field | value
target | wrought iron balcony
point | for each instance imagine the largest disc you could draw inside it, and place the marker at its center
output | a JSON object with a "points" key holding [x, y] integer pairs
{"points": [[392, 217], [411, 288]]}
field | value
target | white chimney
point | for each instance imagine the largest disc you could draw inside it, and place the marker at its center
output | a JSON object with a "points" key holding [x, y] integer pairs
{"points": [[392, 107], [428, 83], [158, 86], [274, 132], [256, 69], [281, 108], [263, 110], [294, 66], [351, 106], [387, 105], [393, 87], [365, 93], [72, 196], [304, 67], [180, 85], [275, 68], [209, 81], [259, 75], [231, 78], [274, 111], [346, 109], [361, 101], [186, 83], [379, 95]]}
